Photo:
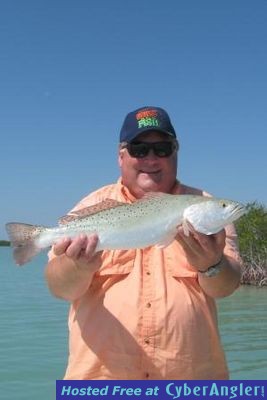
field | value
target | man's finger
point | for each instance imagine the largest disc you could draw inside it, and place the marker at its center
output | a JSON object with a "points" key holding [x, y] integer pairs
{"points": [[61, 246], [189, 243], [91, 246], [76, 246]]}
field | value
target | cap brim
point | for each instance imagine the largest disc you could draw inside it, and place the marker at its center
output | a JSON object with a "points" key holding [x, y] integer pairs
{"points": [[149, 129]]}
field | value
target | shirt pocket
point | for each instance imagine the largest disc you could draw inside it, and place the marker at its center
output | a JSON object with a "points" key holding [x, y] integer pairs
{"points": [[117, 262], [176, 263]]}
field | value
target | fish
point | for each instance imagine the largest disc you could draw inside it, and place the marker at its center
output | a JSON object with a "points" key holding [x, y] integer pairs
{"points": [[150, 221]]}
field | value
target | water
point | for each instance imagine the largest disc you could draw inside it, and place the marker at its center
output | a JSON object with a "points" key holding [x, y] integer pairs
{"points": [[33, 332], [243, 327]]}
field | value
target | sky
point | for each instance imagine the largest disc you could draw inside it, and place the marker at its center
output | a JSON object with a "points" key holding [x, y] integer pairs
{"points": [[71, 70]]}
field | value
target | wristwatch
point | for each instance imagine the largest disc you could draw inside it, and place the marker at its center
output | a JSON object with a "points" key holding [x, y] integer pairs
{"points": [[213, 270]]}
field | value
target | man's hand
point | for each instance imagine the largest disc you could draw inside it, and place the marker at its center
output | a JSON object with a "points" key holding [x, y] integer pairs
{"points": [[69, 273], [81, 249], [202, 251]]}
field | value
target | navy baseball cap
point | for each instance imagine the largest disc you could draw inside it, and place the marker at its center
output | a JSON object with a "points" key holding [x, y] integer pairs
{"points": [[146, 119]]}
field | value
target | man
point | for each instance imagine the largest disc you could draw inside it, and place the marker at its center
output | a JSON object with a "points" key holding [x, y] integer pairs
{"points": [[145, 313]]}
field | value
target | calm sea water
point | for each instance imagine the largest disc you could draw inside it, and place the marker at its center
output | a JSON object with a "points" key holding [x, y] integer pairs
{"points": [[33, 332]]}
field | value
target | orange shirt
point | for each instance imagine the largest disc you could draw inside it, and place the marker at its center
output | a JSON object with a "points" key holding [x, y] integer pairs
{"points": [[144, 315]]}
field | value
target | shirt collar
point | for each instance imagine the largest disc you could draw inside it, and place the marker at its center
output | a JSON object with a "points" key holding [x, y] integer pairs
{"points": [[130, 198]]}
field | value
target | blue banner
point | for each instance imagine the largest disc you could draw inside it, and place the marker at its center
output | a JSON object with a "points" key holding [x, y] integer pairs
{"points": [[162, 390]]}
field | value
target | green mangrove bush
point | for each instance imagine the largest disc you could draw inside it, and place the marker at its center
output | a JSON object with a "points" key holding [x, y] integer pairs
{"points": [[252, 235]]}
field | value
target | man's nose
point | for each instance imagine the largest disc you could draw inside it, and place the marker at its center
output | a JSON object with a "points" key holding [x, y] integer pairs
{"points": [[151, 155]]}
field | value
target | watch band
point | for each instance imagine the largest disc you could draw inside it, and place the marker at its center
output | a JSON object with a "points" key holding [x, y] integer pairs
{"points": [[213, 270]]}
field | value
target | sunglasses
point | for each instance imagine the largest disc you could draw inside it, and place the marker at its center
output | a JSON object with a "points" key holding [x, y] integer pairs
{"points": [[160, 149]]}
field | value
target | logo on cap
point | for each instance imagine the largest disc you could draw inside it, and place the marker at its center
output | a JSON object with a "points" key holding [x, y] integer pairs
{"points": [[147, 118]]}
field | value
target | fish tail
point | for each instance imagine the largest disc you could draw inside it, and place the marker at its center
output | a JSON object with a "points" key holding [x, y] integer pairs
{"points": [[23, 240]]}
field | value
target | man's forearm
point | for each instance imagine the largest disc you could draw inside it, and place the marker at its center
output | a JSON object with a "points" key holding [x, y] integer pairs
{"points": [[225, 282], [65, 280]]}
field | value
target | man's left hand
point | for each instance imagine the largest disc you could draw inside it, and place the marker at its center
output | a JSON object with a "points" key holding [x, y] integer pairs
{"points": [[202, 251]]}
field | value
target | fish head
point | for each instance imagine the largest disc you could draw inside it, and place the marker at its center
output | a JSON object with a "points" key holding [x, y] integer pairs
{"points": [[211, 215]]}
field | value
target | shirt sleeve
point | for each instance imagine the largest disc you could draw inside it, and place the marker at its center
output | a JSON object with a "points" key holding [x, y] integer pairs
{"points": [[231, 249]]}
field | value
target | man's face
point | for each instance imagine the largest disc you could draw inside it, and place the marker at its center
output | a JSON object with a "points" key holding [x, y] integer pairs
{"points": [[150, 173]]}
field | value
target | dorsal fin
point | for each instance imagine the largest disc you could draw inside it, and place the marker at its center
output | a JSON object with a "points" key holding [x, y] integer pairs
{"points": [[153, 195], [86, 211]]}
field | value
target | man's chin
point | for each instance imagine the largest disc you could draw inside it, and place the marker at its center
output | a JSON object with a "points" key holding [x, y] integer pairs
{"points": [[149, 183], [150, 176]]}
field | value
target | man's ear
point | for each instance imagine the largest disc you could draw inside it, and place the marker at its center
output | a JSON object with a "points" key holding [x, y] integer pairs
{"points": [[120, 156]]}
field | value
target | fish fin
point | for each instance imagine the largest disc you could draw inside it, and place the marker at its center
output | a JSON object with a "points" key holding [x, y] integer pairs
{"points": [[86, 211], [25, 253], [167, 240], [22, 238], [187, 227], [154, 195]]}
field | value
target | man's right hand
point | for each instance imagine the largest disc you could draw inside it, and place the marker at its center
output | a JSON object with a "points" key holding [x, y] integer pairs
{"points": [[80, 249]]}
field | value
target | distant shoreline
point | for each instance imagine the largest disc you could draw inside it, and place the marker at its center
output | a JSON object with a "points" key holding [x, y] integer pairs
{"points": [[4, 243], [252, 275]]}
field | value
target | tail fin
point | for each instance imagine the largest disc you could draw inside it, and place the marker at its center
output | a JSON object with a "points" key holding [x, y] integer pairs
{"points": [[23, 239]]}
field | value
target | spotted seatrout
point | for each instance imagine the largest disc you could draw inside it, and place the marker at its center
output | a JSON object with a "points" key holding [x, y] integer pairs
{"points": [[152, 220]]}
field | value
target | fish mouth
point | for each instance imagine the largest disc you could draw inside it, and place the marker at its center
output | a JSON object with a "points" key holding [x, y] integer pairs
{"points": [[238, 211]]}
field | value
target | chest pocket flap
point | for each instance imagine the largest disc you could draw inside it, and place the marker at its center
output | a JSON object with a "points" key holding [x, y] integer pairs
{"points": [[117, 262]]}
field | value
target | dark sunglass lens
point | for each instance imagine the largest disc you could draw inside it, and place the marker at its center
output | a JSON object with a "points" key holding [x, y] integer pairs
{"points": [[163, 149], [138, 150], [141, 149]]}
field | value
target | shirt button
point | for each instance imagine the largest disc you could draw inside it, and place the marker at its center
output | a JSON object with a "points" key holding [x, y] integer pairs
{"points": [[146, 340], [148, 305]]}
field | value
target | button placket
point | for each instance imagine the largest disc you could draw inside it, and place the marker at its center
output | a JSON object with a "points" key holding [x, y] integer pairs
{"points": [[148, 326], [148, 318]]}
